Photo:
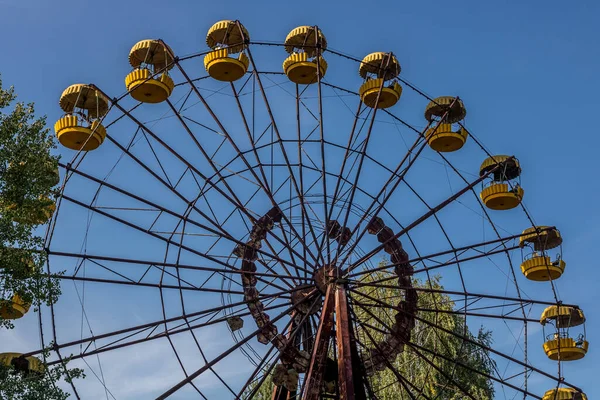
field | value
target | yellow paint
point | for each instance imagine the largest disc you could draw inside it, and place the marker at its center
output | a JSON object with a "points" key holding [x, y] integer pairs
{"points": [[545, 240], [151, 52], [74, 136], [14, 308], [542, 269], [389, 95], [440, 106], [565, 349], [380, 65], [228, 34], [564, 394], [498, 196], [84, 97], [224, 68], [444, 139], [34, 364], [146, 89], [563, 316], [300, 70], [303, 38]]}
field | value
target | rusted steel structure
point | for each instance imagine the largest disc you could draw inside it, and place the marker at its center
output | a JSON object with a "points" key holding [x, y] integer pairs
{"points": [[260, 215]]}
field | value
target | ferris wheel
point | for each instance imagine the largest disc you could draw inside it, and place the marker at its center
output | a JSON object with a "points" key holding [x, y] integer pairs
{"points": [[298, 201]]}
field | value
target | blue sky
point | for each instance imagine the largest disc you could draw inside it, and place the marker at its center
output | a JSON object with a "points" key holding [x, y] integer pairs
{"points": [[527, 72]]}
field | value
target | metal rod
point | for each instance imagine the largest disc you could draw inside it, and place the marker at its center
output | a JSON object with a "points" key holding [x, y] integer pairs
{"points": [[166, 264], [277, 133], [342, 168], [386, 61], [208, 181], [218, 172], [197, 373], [470, 294], [144, 284], [164, 334], [134, 226], [445, 264], [221, 234], [232, 142], [423, 217], [143, 326], [314, 377], [469, 313]]}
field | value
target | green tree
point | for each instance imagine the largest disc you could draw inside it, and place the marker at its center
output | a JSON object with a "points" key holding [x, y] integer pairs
{"points": [[28, 174], [428, 341], [28, 177]]}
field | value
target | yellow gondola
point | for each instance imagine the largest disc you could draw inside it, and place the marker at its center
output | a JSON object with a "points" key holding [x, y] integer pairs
{"points": [[27, 365], [564, 394], [502, 193], [565, 349], [380, 89], [560, 346], [305, 64], [14, 308], [542, 237], [542, 268], [80, 128], [538, 266], [563, 316], [227, 38], [445, 111], [150, 58]]}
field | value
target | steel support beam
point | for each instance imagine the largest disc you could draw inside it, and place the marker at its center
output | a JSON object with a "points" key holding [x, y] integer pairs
{"points": [[314, 377], [349, 373]]}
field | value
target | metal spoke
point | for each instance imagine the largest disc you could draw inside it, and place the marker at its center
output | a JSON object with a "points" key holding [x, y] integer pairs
{"points": [[234, 201], [197, 373]]}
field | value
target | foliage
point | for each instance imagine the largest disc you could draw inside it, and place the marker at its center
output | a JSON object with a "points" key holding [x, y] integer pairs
{"points": [[17, 385], [414, 363], [28, 173], [264, 392]]}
